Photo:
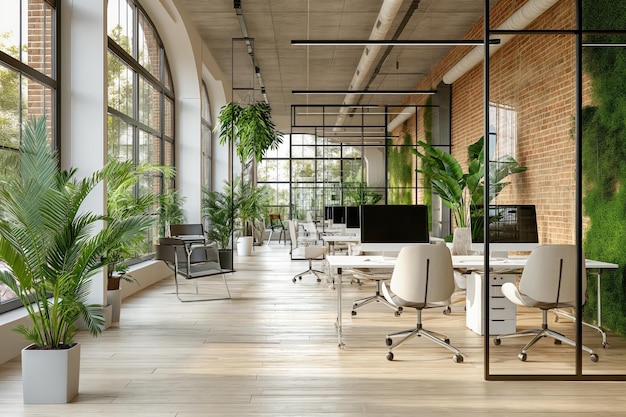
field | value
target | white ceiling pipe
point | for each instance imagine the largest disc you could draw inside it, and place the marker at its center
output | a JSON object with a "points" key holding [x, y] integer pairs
{"points": [[518, 21], [386, 16], [401, 118]]}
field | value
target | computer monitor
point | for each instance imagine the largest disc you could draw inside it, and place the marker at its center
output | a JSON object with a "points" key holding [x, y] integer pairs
{"points": [[394, 224], [328, 213], [512, 228], [339, 214], [353, 217]]}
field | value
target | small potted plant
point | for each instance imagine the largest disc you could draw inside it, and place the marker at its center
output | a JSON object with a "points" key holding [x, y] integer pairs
{"points": [[52, 248]]}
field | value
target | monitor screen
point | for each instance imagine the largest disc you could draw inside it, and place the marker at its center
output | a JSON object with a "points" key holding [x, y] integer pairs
{"points": [[339, 214], [394, 224], [511, 227], [328, 213], [353, 217]]}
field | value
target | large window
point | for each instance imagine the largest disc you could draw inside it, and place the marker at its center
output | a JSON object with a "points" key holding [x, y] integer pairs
{"points": [[207, 140], [140, 97], [27, 83]]}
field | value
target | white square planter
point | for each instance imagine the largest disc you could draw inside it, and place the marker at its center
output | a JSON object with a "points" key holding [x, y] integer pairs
{"points": [[50, 376]]}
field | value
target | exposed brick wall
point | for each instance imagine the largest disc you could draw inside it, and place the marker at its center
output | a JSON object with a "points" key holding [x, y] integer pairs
{"points": [[39, 50], [535, 76]]}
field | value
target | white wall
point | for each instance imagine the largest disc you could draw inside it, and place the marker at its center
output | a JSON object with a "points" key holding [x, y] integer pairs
{"points": [[374, 159], [83, 100]]}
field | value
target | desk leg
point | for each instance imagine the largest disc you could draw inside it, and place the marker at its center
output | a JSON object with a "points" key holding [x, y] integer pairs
{"points": [[599, 302], [338, 323]]}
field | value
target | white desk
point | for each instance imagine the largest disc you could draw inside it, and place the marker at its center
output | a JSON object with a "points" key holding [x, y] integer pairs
{"points": [[332, 239], [499, 265]]}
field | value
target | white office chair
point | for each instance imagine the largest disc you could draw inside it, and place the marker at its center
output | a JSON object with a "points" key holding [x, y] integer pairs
{"points": [[548, 282], [422, 278], [191, 262], [306, 249]]}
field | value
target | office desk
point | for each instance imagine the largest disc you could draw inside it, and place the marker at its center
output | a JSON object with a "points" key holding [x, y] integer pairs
{"points": [[332, 239], [337, 263]]}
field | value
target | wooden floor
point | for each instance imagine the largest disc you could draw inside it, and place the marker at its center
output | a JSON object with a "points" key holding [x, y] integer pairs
{"points": [[272, 351]]}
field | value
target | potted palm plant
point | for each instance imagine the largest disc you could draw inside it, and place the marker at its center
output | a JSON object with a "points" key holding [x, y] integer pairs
{"points": [[252, 205], [219, 210], [52, 248]]}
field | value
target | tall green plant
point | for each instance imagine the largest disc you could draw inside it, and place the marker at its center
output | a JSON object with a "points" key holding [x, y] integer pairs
{"points": [[251, 205], [51, 246], [219, 209], [459, 190], [123, 201]]}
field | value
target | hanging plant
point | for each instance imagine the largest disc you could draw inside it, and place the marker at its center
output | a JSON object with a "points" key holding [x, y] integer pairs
{"points": [[251, 129]]}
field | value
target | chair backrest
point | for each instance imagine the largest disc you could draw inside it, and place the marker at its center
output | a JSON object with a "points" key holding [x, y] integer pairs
{"points": [[293, 235], [423, 274], [275, 220], [550, 274], [193, 229], [205, 255], [168, 248]]}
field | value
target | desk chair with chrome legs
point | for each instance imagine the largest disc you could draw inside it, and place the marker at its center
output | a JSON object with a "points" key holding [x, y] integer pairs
{"points": [[191, 262], [548, 282], [422, 278], [305, 249]]}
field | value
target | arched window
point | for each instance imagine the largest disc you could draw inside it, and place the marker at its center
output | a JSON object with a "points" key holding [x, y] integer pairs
{"points": [[207, 140], [140, 96], [28, 83]]}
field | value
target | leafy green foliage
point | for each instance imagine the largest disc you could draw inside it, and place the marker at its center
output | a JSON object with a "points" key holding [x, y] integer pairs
{"points": [[50, 245], [219, 209], [123, 202], [251, 129], [400, 166], [458, 190], [603, 156]]}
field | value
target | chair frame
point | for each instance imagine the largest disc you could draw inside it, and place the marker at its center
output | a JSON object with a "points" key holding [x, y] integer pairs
{"points": [[173, 244], [294, 245], [378, 296], [436, 337], [545, 331], [274, 227]]}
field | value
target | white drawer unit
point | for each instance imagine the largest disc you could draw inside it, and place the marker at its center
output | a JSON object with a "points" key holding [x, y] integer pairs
{"points": [[501, 310]]}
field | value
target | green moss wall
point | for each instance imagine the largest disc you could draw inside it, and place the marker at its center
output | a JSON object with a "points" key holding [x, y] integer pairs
{"points": [[604, 162]]}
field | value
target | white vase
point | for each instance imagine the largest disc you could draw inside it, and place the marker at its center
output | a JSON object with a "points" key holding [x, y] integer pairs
{"points": [[244, 245], [50, 376], [114, 299], [462, 241]]}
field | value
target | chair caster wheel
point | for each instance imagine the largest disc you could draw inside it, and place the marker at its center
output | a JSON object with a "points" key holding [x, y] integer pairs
{"points": [[447, 311], [457, 358], [446, 341], [353, 313], [389, 356], [594, 357], [293, 280], [388, 342], [319, 279], [397, 313], [522, 357], [557, 342], [497, 341]]}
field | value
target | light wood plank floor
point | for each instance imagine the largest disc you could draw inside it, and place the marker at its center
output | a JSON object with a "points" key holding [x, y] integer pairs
{"points": [[272, 351]]}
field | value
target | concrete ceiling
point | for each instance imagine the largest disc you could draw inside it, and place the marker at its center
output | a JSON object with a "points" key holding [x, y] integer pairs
{"points": [[273, 24]]}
